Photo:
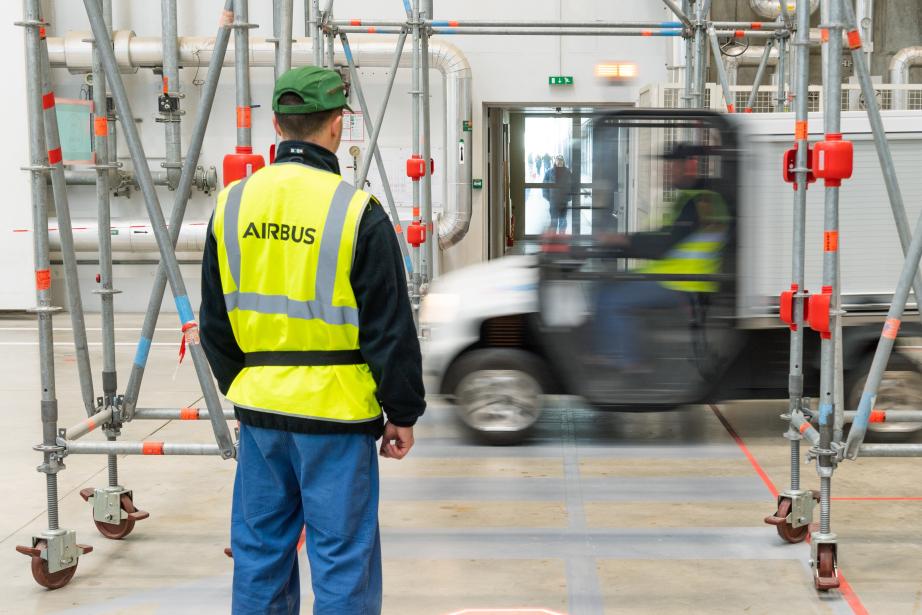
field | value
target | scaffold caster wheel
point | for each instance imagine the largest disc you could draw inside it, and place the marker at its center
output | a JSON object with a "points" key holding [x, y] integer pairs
{"points": [[784, 528], [49, 580], [118, 531], [826, 575]]}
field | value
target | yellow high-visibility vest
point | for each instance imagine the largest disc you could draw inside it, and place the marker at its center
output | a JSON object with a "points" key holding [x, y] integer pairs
{"points": [[700, 252], [286, 240]]}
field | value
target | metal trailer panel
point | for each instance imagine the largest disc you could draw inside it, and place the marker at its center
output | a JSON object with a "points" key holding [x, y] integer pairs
{"points": [[869, 244]]}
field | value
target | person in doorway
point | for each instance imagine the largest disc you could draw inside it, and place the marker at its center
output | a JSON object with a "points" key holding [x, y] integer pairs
{"points": [[306, 322], [558, 194], [691, 242]]}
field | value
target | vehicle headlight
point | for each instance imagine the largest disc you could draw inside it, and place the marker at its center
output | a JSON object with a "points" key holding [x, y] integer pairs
{"points": [[439, 308]]}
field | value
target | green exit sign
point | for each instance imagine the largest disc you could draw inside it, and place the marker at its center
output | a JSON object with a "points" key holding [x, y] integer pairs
{"points": [[560, 80]]}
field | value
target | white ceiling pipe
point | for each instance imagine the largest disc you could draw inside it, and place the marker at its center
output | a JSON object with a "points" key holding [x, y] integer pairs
{"points": [[128, 236], [73, 52], [771, 9], [904, 59]]}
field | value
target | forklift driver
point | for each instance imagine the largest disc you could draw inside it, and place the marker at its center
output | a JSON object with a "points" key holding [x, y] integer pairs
{"points": [[691, 242]]}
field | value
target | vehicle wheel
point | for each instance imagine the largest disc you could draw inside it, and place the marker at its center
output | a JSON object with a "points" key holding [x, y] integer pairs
{"points": [[498, 393], [900, 389], [49, 580]]}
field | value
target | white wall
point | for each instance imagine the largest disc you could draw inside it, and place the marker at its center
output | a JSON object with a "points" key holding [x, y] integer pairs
{"points": [[505, 70]]}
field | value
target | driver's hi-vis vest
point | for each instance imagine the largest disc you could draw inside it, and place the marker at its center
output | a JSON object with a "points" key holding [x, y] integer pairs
{"points": [[700, 252], [286, 239]]}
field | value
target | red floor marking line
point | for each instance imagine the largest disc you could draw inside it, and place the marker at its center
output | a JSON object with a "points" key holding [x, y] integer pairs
{"points": [[739, 442], [848, 594], [851, 597]]}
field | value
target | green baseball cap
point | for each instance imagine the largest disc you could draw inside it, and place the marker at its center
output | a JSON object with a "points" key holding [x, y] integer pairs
{"points": [[321, 89]]}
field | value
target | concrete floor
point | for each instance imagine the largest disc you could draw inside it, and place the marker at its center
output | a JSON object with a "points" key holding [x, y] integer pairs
{"points": [[600, 513]]}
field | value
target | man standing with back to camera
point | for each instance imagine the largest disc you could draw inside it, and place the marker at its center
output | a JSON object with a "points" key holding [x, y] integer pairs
{"points": [[306, 322]]}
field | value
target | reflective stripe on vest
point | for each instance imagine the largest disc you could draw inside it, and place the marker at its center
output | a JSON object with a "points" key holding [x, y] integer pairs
{"points": [[697, 254], [286, 242], [321, 307]]}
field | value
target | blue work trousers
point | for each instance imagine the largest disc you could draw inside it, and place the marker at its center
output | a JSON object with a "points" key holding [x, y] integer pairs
{"points": [[619, 317], [327, 483]]}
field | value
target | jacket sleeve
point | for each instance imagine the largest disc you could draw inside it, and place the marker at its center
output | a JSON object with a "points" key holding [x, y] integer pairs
{"points": [[387, 333], [215, 332]]}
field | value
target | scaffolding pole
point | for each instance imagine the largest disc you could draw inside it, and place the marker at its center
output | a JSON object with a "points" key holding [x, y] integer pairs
{"points": [[373, 145], [162, 234]]}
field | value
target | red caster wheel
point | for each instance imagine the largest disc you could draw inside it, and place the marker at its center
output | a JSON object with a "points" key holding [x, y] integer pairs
{"points": [[826, 574], [117, 531], [49, 580], [784, 528]]}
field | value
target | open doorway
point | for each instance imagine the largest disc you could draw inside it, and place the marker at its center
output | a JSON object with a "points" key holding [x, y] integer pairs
{"points": [[546, 175]]}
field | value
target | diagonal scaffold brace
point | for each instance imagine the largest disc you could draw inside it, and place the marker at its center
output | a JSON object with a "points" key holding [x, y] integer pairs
{"points": [[165, 240]]}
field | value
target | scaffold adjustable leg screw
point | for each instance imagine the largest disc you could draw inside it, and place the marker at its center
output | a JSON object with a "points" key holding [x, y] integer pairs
{"points": [[114, 512]]}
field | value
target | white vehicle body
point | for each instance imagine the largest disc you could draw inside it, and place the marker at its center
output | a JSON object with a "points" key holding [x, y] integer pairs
{"points": [[460, 302]]}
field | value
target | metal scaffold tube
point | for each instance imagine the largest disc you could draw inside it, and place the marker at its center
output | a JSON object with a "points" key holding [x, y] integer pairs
{"points": [[798, 292], [170, 113], [38, 161], [312, 8], [181, 199], [416, 142], [283, 25], [373, 146], [823, 543], [176, 414], [65, 229], [242, 74], [760, 76], [106, 291], [700, 50], [427, 253], [139, 448], [465, 24], [164, 241], [721, 72]]}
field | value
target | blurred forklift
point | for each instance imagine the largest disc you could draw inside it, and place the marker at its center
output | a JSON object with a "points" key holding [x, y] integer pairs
{"points": [[648, 305]]}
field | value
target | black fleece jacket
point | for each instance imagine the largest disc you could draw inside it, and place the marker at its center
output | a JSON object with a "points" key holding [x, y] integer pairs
{"points": [[387, 335]]}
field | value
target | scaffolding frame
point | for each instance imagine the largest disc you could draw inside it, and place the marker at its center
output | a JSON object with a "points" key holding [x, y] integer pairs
{"points": [[55, 552]]}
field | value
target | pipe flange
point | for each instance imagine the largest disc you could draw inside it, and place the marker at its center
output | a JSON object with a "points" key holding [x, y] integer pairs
{"points": [[49, 448], [121, 41], [112, 166], [106, 291], [243, 25]]}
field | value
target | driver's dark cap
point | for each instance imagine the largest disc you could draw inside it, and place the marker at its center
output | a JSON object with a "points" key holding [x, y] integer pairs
{"points": [[683, 151], [321, 89]]}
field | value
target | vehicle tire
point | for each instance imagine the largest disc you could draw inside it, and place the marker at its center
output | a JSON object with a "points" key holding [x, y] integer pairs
{"points": [[498, 393], [900, 389]]}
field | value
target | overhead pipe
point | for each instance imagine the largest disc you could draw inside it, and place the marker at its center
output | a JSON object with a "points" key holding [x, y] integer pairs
{"points": [[902, 61], [127, 236], [771, 9], [72, 53]]}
